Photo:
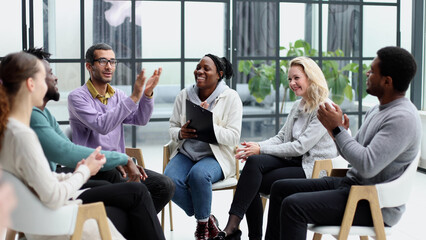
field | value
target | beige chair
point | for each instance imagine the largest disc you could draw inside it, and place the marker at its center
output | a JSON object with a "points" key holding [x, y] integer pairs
{"points": [[136, 153], [379, 196], [33, 217], [230, 183]]}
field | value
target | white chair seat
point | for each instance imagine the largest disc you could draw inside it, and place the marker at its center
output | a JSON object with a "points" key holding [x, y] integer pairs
{"points": [[230, 182], [31, 216], [355, 230]]}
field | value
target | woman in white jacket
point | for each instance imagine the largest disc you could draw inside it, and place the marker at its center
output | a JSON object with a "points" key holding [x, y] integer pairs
{"points": [[196, 165]]}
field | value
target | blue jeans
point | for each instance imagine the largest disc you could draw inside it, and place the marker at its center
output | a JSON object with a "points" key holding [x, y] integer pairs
{"points": [[193, 182]]}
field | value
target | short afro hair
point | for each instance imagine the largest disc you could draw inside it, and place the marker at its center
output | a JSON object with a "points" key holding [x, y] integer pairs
{"points": [[398, 64]]}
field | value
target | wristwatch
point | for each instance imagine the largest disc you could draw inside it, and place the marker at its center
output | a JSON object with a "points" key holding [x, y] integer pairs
{"points": [[336, 131]]}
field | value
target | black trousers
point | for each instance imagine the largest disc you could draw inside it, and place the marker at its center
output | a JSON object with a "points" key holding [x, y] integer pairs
{"points": [[296, 202], [160, 186], [129, 206], [258, 175]]}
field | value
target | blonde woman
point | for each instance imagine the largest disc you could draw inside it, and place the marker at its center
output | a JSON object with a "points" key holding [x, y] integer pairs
{"points": [[289, 154]]}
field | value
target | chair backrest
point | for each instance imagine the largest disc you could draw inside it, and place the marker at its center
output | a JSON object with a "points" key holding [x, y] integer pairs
{"points": [[136, 153], [397, 192], [33, 217]]}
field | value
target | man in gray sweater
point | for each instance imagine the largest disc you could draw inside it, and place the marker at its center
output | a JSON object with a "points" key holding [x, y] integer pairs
{"points": [[384, 146]]}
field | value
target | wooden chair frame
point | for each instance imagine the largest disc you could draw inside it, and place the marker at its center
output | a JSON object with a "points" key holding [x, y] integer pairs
{"points": [[376, 199]]}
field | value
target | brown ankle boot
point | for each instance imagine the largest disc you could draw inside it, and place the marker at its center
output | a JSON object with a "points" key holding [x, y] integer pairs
{"points": [[213, 226], [202, 231]]}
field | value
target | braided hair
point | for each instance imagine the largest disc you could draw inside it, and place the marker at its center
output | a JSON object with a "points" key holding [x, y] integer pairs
{"points": [[222, 64]]}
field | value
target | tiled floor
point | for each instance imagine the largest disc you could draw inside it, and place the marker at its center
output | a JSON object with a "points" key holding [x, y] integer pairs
{"points": [[409, 228]]}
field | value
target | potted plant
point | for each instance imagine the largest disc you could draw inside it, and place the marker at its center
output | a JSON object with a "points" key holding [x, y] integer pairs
{"points": [[263, 74]]}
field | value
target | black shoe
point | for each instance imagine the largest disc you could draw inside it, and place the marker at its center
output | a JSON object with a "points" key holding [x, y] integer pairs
{"points": [[234, 236]]}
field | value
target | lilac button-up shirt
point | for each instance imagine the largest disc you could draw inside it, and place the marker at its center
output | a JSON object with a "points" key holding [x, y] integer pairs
{"points": [[95, 124]]}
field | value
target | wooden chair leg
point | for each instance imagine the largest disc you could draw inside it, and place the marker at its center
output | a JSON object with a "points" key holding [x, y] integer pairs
{"points": [[264, 200], [10, 234], [171, 216], [356, 194], [317, 236], [162, 218], [363, 237], [95, 211]]}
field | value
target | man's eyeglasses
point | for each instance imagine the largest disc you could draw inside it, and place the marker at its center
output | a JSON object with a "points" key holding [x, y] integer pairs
{"points": [[104, 61]]}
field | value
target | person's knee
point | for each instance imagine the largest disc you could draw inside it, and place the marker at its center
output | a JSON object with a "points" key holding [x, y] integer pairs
{"points": [[253, 161], [291, 208], [137, 188], [196, 177], [168, 185]]}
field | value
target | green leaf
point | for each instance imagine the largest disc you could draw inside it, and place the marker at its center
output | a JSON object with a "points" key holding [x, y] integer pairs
{"points": [[298, 43], [353, 67], [259, 87], [337, 98], [283, 79], [245, 67], [348, 92]]}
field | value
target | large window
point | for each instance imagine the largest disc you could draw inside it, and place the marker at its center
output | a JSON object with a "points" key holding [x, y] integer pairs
{"points": [[259, 36], [342, 36]]}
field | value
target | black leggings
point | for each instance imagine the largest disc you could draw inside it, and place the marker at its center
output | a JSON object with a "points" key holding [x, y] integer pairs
{"points": [[130, 208], [258, 175]]}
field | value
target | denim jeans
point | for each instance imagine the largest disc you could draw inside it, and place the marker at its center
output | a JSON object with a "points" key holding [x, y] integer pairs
{"points": [[193, 182]]}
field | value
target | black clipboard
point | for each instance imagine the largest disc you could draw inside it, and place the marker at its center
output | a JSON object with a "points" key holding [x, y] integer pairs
{"points": [[202, 121]]}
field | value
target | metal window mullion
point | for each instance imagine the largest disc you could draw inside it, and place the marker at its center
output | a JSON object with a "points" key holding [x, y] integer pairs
{"points": [[182, 44], [24, 24], [277, 69], [417, 49], [360, 80], [31, 29], [234, 42], [133, 63], [82, 44]]}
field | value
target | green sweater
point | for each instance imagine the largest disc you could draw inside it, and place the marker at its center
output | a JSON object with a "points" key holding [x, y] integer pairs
{"points": [[59, 149]]}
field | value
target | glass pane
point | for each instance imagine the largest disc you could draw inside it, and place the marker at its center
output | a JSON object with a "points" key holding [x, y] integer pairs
{"points": [[298, 29], [381, 1], [257, 129], [154, 133], [68, 79], [341, 29], [167, 89], [256, 28], [256, 86], [189, 73], [13, 29], [406, 24], [110, 22], [57, 27], [160, 39], [383, 31], [353, 123], [204, 29]]}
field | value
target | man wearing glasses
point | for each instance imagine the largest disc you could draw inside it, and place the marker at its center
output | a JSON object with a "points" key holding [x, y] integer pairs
{"points": [[98, 111]]}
